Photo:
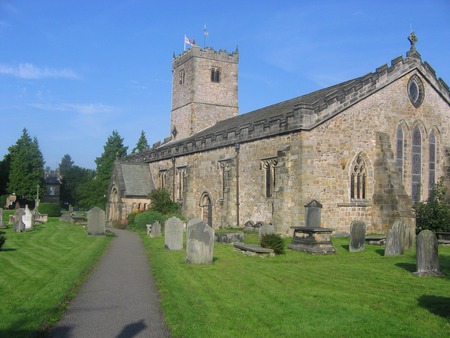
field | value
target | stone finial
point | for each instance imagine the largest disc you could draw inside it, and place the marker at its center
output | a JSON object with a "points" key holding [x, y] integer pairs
{"points": [[413, 39]]}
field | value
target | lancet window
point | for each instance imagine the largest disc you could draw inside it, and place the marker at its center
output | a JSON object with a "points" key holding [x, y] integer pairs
{"points": [[162, 179], [358, 179], [400, 151], [181, 181], [225, 167], [268, 166], [416, 170], [215, 75], [431, 163]]}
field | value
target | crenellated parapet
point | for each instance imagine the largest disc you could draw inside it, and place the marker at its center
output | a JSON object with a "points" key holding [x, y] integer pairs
{"points": [[208, 53]]}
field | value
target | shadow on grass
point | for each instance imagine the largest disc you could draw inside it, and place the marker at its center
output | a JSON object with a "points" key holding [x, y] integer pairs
{"points": [[410, 267], [436, 304], [380, 252], [346, 247], [8, 249]]}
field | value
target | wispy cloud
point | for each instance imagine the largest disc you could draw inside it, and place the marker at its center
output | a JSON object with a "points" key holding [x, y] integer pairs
{"points": [[85, 109], [29, 71]]}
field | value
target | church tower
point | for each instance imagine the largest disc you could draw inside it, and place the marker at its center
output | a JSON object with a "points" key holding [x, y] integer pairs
{"points": [[204, 90]]}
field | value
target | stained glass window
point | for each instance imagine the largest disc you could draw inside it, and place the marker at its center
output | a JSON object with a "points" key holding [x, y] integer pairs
{"points": [[416, 172]]}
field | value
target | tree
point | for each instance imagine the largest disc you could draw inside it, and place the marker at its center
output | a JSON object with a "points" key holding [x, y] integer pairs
{"points": [[27, 168], [5, 167], [73, 180], [434, 214], [112, 150], [93, 193], [66, 163], [141, 144]]}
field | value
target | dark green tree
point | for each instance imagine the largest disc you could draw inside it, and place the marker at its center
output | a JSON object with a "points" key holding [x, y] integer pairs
{"points": [[93, 193], [162, 202], [27, 168], [112, 150], [141, 144], [73, 180], [434, 214], [5, 166], [66, 163]]}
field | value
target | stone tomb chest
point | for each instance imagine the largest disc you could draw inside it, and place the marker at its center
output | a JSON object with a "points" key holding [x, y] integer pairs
{"points": [[312, 238]]}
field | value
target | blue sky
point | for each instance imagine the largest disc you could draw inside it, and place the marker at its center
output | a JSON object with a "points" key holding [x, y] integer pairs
{"points": [[71, 72]]}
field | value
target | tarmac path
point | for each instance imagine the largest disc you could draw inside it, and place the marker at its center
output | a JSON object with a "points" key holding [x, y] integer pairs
{"points": [[119, 298]]}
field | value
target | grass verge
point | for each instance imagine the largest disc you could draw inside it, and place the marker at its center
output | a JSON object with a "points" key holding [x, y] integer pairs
{"points": [[300, 295], [40, 272]]}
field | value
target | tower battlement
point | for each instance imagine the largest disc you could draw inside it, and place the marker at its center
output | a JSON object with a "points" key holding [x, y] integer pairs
{"points": [[208, 53]]}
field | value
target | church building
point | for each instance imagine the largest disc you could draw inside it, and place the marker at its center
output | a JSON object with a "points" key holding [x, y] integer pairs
{"points": [[365, 149]]}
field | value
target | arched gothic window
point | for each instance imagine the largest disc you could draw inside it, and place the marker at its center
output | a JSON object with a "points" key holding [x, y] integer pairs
{"points": [[206, 205], [358, 179], [399, 155], [215, 75], [416, 170], [431, 163]]}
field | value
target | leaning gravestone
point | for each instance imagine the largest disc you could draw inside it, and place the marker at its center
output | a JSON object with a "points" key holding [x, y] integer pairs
{"points": [[266, 229], [28, 218], [156, 229], [199, 242], [96, 221], [427, 257], [395, 239], [173, 234], [357, 236], [2, 224], [19, 225]]}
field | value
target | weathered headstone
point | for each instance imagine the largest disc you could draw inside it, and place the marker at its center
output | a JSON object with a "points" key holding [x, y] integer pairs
{"points": [[2, 224], [427, 258], [395, 239], [199, 242], [19, 225], [266, 229], [96, 221], [173, 234], [28, 218], [357, 236], [156, 229], [313, 214]]}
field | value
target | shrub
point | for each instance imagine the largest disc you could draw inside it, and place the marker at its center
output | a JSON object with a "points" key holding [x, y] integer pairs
{"points": [[147, 217], [162, 202], [274, 242], [434, 214], [131, 217], [51, 209], [2, 241]]}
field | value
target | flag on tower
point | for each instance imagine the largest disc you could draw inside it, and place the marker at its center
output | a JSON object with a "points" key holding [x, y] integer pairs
{"points": [[205, 32], [188, 41]]}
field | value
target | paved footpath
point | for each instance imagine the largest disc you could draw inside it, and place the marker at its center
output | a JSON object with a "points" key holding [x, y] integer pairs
{"points": [[119, 298]]}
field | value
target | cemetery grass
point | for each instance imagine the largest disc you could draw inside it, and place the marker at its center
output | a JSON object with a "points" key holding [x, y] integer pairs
{"points": [[301, 295], [40, 271]]}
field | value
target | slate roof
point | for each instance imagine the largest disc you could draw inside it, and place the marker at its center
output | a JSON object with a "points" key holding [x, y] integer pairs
{"points": [[136, 179]]}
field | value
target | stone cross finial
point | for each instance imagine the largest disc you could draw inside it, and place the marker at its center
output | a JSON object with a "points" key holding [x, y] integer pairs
{"points": [[412, 39]]}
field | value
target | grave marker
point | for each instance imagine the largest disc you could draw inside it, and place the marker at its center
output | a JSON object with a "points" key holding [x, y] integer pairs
{"points": [[395, 239], [2, 224], [156, 229], [19, 225], [266, 229], [96, 221], [28, 218], [357, 236], [173, 234], [427, 258], [199, 242]]}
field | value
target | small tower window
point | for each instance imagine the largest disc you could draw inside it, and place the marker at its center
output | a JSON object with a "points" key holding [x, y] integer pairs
{"points": [[215, 75], [182, 76]]}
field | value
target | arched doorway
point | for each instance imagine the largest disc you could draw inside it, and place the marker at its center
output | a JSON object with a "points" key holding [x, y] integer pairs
{"points": [[114, 205]]}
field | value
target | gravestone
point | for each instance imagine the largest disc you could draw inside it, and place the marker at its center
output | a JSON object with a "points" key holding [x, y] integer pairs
{"points": [[395, 239], [313, 211], [266, 229], [19, 225], [2, 224], [173, 234], [156, 229], [357, 236], [28, 218], [96, 221], [199, 242], [427, 258]]}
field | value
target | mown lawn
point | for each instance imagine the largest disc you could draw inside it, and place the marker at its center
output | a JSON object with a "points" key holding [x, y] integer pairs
{"points": [[300, 295], [40, 271]]}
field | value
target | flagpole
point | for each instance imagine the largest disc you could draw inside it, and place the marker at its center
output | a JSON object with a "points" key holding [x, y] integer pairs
{"points": [[184, 42], [205, 34]]}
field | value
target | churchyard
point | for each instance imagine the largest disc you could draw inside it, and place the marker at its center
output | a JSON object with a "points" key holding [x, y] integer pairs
{"points": [[41, 270], [296, 294]]}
